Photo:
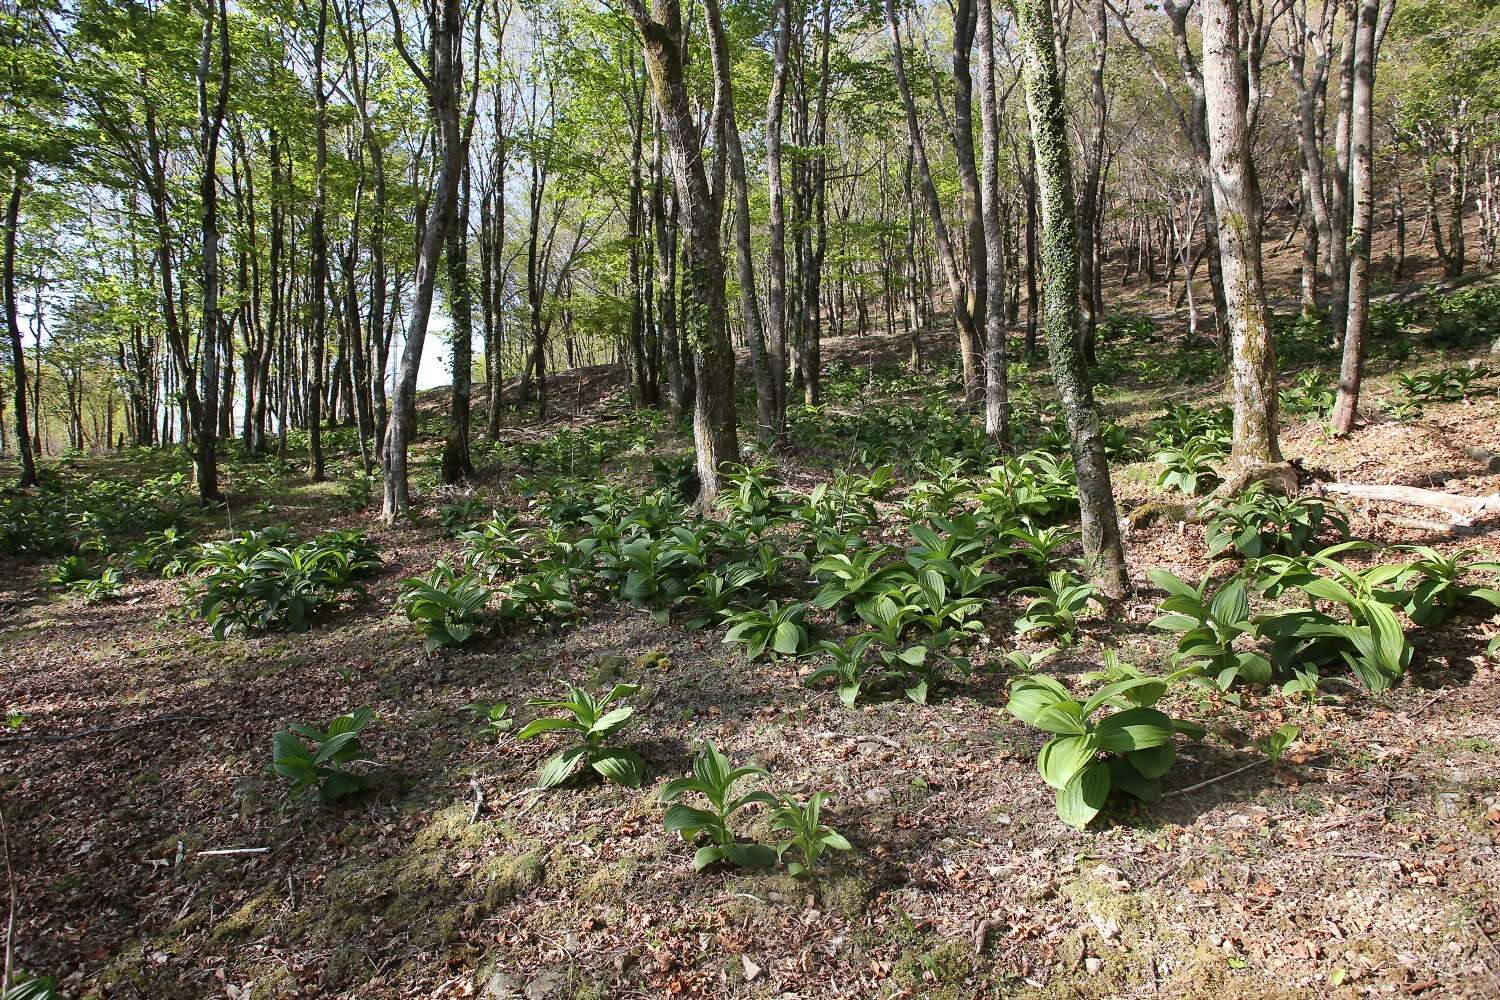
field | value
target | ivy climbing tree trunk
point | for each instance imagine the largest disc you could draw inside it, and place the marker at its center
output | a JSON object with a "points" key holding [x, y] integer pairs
{"points": [[703, 297], [1252, 364], [458, 465], [1103, 552]]}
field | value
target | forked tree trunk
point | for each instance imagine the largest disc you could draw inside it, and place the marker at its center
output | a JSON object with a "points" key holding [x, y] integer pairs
{"points": [[1103, 553], [1236, 196]]}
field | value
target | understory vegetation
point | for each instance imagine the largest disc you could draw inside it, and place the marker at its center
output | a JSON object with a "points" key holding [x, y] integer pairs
{"points": [[577, 499]]}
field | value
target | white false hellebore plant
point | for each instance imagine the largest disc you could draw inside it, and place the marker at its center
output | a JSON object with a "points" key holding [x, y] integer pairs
{"points": [[1129, 749], [592, 722]]}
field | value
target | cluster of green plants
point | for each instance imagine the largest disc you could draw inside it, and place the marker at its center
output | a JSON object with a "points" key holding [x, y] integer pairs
{"points": [[1260, 522], [584, 451], [1115, 740], [711, 824], [318, 760], [1189, 443], [76, 576], [1311, 392], [591, 723], [1445, 385], [445, 607], [902, 434], [90, 515], [265, 580], [1349, 618], [1464, 315]]}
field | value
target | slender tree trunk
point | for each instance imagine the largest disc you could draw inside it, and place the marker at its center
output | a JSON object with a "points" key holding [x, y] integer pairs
{"points": [[442, 84], [965, 23], [714, 432], [210, 125], [968, 335], [319, 258], [996, 403], [1237, 198], [1103, 552], [13, 325], [1338, 244], [776, 278], [1362, 194], [765, 387], [457, 464]]}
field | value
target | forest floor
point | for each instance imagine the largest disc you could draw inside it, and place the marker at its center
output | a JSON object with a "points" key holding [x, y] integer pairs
{"points": [[1363, 864]]}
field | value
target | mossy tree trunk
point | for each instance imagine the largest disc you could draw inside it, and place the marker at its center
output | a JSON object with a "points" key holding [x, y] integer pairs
{"points": [[457, 464], [1104, 554], [703, 297]]}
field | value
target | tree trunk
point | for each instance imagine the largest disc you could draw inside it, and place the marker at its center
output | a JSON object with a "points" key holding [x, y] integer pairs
{"points": [[996, 403], [210, 124], [319, 250], [965, 22], [1362, 194], [776, 279], [1237, 199], [1338, 243], [457, 464], [13, 324], [1103, 553], [968, 336], [714, 432], [442, 83]]}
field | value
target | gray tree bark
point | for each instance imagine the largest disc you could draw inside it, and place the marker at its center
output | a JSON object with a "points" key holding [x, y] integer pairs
{"points": [[1236, 196], [1103, 552], [441, 81], [714, 433], [996, 404], [1362, 199]]}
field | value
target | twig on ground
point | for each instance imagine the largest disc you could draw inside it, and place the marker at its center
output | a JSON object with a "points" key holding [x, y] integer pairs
{"points": [[1430, 702], [981, 931], [225, 852], [10, 919], [1212, 781], [478, 800]]}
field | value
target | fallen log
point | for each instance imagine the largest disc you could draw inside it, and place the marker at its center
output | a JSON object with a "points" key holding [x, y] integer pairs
{"points": [[1462, 509]]}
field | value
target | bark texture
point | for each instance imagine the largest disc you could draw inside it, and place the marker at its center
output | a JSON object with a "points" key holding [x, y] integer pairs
{"points": [[1103, 552]]}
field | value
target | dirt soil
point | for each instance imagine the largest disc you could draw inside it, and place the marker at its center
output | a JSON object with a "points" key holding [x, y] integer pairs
{"points": [[1364, 864]]}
